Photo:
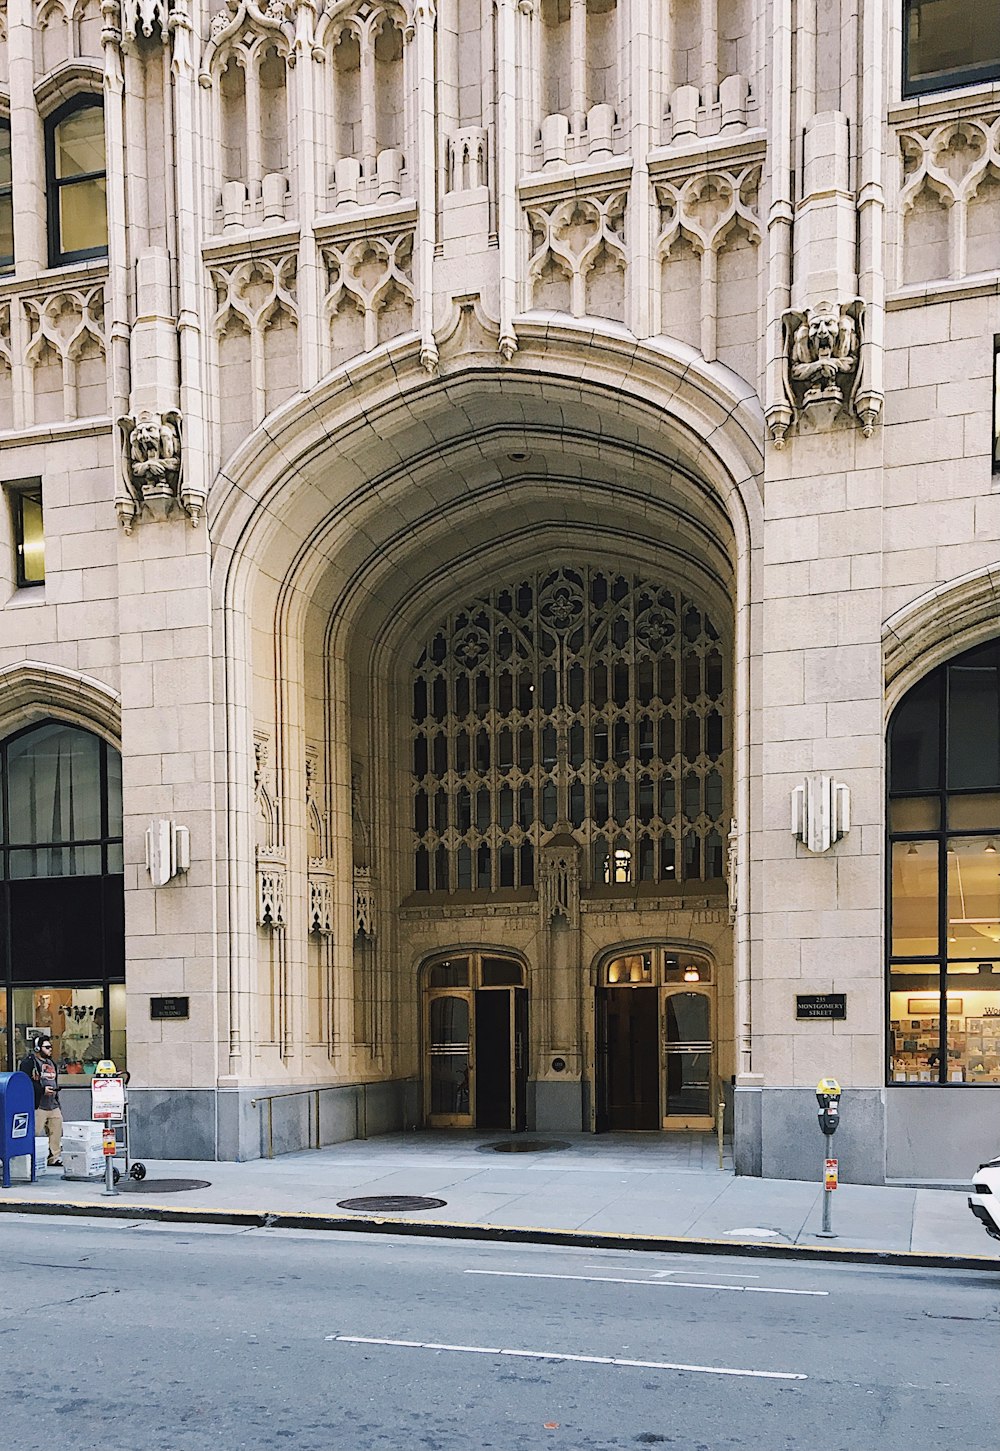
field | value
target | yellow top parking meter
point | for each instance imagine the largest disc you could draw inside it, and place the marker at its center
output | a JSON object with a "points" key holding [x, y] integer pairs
{"points": [[828, 1098]]}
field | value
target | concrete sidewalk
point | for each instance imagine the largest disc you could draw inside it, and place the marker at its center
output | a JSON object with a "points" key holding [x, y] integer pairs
{"points": [[640, 1188]]}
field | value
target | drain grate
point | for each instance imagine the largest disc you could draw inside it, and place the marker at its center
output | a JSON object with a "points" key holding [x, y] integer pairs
{"points": [[391, 1203], [526, 1146], [161, 1186]]}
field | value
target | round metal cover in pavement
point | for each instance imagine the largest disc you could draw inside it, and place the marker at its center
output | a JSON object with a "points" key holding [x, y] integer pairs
{"points": [[161, 1186], [391, 1203], [526, 1146]]}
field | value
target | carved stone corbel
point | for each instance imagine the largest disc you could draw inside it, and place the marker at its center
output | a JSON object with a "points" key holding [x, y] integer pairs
{"points": [[364, 903], [822, 370], [320, 896], [559, 880], [271, 889], [153, 474]]}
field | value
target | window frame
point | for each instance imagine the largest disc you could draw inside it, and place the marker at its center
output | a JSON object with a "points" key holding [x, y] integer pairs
{"points": [[7, 191], [58, 256], [954, 80], [996, 403], [939, 963], [17, 490], [111, 880]]}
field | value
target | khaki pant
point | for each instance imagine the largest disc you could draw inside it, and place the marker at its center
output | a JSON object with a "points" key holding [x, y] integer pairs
{"points": [[50, 1121]]}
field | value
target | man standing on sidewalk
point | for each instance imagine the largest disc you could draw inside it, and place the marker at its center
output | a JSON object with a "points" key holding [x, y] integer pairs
{"points": [[41, 1069]]}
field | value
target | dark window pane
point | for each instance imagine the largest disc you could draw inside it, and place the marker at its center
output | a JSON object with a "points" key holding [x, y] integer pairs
{"points": [[915, 813], [453, 973], [502, 972], [55, 928], [951, 42], [973, 725], [54, 786], [915, 739]]}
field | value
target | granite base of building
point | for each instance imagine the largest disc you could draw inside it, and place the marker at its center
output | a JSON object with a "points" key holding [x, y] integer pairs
{"points": [[777, 1135], [556, 1108], [247, 1123], [933, 1133]]}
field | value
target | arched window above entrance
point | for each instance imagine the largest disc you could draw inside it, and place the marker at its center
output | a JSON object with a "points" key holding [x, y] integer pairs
{"points": [[656, 966], [944, 894], [574, 700]]}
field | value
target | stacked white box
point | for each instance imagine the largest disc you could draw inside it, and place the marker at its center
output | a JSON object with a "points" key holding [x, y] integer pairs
{"points": [[82, 1154]]}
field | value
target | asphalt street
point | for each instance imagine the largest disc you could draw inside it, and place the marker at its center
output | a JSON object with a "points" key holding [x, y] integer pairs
{"points": [[156, 1338]]}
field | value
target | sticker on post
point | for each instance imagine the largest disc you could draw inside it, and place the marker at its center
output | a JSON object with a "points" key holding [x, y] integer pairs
{"points": [[109, 1143], [107, 1098], [830, 1174]]}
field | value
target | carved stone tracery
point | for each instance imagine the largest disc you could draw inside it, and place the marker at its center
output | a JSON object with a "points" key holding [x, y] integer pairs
{"points": [[371, 277], [572, 237]]}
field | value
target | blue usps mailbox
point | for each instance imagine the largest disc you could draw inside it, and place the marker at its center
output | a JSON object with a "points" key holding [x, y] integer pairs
{"points": [[17, 1121]]}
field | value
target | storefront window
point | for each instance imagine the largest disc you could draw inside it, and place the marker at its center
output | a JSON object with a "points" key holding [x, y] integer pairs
{"points": [[61, 897], [944, 875]]}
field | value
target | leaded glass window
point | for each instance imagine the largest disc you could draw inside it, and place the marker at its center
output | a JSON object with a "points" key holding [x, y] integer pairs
{"points": [[577, 700]]}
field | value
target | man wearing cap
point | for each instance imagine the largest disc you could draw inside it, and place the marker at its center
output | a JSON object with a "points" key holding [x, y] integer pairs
{"points": [[40, 1067]]}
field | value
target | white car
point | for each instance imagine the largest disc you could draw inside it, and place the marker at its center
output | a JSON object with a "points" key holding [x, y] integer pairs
{"points": [[984, 1201]]}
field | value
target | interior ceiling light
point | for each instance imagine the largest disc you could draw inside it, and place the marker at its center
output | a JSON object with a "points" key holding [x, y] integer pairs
{"points": [[911, 850], [989, 847], [691, 974]]}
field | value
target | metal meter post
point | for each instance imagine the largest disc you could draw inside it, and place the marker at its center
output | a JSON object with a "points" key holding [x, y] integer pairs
{"points": [[107, 1095], [828, 1098]]}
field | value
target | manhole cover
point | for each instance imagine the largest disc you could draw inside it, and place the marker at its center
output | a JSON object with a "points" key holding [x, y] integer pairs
{"points": [[526, 1146], [161, 1186], [391, 1203]]}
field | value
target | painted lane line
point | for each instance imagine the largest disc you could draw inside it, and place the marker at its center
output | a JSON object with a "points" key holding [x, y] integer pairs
{"points": [[654, 1284], [560, 1355]]}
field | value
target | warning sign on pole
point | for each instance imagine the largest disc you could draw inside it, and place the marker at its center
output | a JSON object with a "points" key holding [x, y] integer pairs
{"points": [[107, 1098], [830, 1174]]}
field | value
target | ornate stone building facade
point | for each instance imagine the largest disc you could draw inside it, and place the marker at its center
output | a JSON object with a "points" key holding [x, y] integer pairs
{"points": [[500, 498]]}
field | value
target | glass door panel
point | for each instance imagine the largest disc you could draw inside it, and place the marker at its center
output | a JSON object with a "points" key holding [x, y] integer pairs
{"points": [[687, 1037], [448, 1074]]}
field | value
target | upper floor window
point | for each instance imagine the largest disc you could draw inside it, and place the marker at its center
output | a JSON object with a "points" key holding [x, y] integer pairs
{"points": [[29, 536], [6, 201], [577, 700], [949, 43], [76, 180]]}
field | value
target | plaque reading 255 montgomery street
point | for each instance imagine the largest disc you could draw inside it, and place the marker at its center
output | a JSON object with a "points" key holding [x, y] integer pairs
{"points": [[821, 1005]]}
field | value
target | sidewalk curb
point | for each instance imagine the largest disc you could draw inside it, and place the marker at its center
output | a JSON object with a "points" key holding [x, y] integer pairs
{"points": [[498, 1234]]}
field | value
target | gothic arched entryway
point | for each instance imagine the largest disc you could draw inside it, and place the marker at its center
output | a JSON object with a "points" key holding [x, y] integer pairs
{"points": [[656, 1060], [475, 1042]]}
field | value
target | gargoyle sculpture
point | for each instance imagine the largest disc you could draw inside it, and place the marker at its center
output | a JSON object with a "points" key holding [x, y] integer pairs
{"points": [[822, 363], [152, 449]]}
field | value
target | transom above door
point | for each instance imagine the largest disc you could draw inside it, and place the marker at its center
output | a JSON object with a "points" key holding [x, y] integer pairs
{"points": [[475, 1042]]}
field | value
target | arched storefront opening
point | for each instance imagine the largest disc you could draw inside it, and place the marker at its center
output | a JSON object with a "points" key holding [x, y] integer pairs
{"points": [[475, 1042], [943, 932], [656, 1059], [62, 953]]}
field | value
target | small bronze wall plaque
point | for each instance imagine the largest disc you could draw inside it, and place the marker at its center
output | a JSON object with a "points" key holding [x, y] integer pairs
{"points": [[821, 1005], [161, 1008]]}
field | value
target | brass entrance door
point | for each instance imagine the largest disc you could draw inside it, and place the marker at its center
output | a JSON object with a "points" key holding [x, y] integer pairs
{"points": [[475, 1036]]}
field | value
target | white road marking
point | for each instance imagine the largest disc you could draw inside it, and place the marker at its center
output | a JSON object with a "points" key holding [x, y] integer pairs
{"points": [[656, 1284], [561, 1355]]}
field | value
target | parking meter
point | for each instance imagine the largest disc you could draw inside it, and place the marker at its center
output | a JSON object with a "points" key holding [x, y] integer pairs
{"points": [[828, 1098]]}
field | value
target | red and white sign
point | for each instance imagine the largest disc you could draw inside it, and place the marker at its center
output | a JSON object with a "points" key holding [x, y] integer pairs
{"points": [[107, 1098], [109, 1143], [830, 1174]]}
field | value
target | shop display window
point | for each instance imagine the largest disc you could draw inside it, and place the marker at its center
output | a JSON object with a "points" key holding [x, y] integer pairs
{"points": [[76, 1020], [944, 876]]}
